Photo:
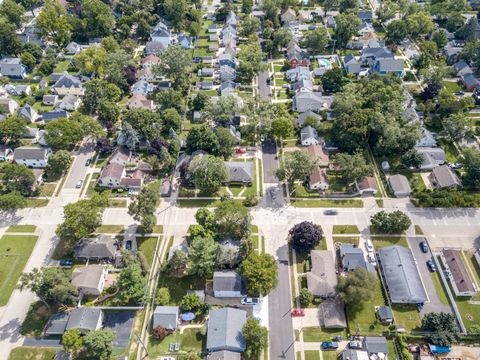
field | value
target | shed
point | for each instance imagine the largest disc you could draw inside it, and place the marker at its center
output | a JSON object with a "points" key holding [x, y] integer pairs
{"points": [[376, 345], [400, 185], [385, 314], [166, 317]]}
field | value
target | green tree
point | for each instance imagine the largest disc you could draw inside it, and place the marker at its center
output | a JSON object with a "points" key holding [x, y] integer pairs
{"points": [[440, 38], [316, 40], [249, 25], [171, 99], [202, 137], [333, 80], [52, 23], [176, 12], [28, 60], [58, 163], [72, 341], [190, 302], [396, 31], [171, 120], [419, 23], [99, 344], [347, 26], [467, 32], [305, 297], [81, 218], [232, 221], [387, 11], [391, 223], [12, 129], [178, 265], [305, 236], [163, 297], [10, 43], [456, 127], [98, 91], [97, 17], [13, 12], [51, 285], [261, 273], [352, 167], [471, 162], [202, 255], [412, 158], [174, 64], [347, 5], [63, 134], [356, 288], [222, 111], [17, 178], [226, 142], [441, 327], [251, 61], [132, 286], [200, 101], [282, 128], [143, 207], [298, 166], [207, 173], [91, 61], [148, 124], [256, 339], [12, 201]]}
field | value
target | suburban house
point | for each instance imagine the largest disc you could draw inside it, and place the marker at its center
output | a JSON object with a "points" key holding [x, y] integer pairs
{"points": [[166, 317], [319, 154], [426, 139], [224, 330], [451, 53], [353, 354], [365, 15], [227, 284], [352, 258], [352, 66], [139, 101], [302, 85], [154, 48], [333, 314], [4, 152], [444, 177], [73, 48], [310, 115], [318, 179], [49, 100], [457, 273], [89, 280], [432, 157], [185, 41], [314, 101], [29, 113], [224, 355], [401, 275], [372, 54], [298, 73], [376, 345], [389, 66], [470, 82], [462, 68], [228, 60], [227, 73], [54, 114], [288, 15], [309, 136], [111, 175], [322, 278], [400, 185], [13, 68], [121, 156], [240, 172], [70, 103], [8, 106], [384, 314], [33, 157], [68, 85], [161, 35], [142, 87], [97, 248], [84, 319], [367, 186]]}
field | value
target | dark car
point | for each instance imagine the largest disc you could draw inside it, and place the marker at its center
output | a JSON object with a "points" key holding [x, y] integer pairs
{"points": [[431, 266], [88, 162], [424, 247], [330, 212], [65, 263], [128, 245], [329, 345]]}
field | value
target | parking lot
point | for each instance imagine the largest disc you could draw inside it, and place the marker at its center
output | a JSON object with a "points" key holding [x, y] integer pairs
{"points": [[435, 304]]}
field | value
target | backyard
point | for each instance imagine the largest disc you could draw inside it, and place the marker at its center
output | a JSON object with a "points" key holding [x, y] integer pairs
{"points": [[146, 245], [191, 340], [14, 253]]}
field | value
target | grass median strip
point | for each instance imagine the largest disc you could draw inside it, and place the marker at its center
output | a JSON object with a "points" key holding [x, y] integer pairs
{"points": [[345, 229], [21, 229], [351, 203]]}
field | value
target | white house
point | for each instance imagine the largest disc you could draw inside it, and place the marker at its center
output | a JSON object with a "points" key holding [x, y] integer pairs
{"points": [[8, 106], [13, 67], [318, 179], [309, 136], [111, 176], [89, 280], [227, 284], [35, 157], [68, 85]]}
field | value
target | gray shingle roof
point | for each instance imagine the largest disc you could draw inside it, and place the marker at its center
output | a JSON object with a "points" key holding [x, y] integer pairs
{"points": [[29, 153], [225, 330], [459, 272], [445, 177], [227, 281], [57, 323], [376, 344], [385, 313], [166, 317], [68, 81], [224, 355], [84, 318], [399, 184], [401, 275], [87, 276], [390, 65], [322, 279], [333, 314], [240, 171], [353, 258], [102, 246]]}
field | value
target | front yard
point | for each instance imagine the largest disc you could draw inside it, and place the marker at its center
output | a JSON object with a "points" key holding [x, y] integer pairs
{"points": [[30, 353], [327, 203], [381, 242]]}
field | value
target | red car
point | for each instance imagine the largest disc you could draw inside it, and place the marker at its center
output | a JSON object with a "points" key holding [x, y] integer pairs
{"points": [[298, 312], [240, 150]]}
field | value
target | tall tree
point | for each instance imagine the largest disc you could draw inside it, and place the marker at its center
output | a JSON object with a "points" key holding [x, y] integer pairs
{"points": [[472, 167], [143, 207], [202, 255], [441, 327], [63, 134], [207, 173], [347, 26], [132, 285], [72, 341], [282, 128], [356, 288], [52, 23], [17, 178], [202, 137], [305, 236], [251, 61], [352, 167], [12, 129], [99, 344], [232, 221], [316, 40], [13, 12], [256, 339], [261, 273], [391, 223], [10, 43], [12, 201], [226, 142], [174, 64], [297, 166], [97, 17], [249, 25], [58, 163]]}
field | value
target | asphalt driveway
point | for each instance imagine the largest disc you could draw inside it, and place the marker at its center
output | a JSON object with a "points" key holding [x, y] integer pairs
{"points": [[270, 161], [435, 305], [120, 322]]}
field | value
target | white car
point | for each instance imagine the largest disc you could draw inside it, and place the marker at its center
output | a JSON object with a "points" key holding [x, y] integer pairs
{"points": [[369, 245], [249, 301], [371, 258]]}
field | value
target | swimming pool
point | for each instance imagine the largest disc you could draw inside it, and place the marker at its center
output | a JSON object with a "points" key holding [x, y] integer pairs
{"points": [[324, 63]]}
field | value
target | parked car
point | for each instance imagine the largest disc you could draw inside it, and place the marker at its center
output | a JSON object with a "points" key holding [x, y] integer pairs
{"points": [[298, 312], [371, 258], [424, 247], [455, 166], [369, 245], [88, 162], [355, 344], [331, 212], [65, 263], [128, 245], [249, 301], [329, 345], [240, 150], [459, 93], [79, 184], [431, 266]]}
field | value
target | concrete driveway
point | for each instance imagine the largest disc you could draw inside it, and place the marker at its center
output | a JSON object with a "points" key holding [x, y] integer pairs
{"points": [[435, 304]]}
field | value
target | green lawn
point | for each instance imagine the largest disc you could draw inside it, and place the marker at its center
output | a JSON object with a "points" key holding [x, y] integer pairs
{"points": [[392, 355], [437, 282], [472, 266], [36, 319], [117, 203], [47, 189], [353, 203], [451, 152], [345, 229], [312, 354], [407, 315], [109, 229], [303, 192], [146, 245], [316, 334], [416, 182], [330, 355], [34, 203], [451, 86], [14, 253], [179, 286], [194, 203], [418, 230], [30, 353], [303, 263], [21, 229], [354, 240], [381, 242], [190, 341], [364, 321]]}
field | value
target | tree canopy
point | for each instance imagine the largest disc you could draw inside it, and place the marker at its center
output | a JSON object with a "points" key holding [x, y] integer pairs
{"points": [[305, 236], [391, 223], [356, 288], [261, 273], [207, 173], [441, 327]]}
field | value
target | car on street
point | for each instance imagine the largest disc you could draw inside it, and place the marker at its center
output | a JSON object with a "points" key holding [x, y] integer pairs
{"points": [[329, 345], [371, 258], [298, 312], [79, 184], [128, 245], [240, 150], [431, 266], [249, 301], [424, 247], [355, 344], [369, 245], [65, 263], [331, 212], [88, 162]]}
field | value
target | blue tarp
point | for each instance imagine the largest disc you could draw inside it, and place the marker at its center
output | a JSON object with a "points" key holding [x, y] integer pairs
{"points": [[439, 349], [187, 316]]}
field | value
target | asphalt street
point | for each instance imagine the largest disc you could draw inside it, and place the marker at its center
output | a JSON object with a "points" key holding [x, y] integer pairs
{"points": [[78, 168], [263, 87], [270, 161]]}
